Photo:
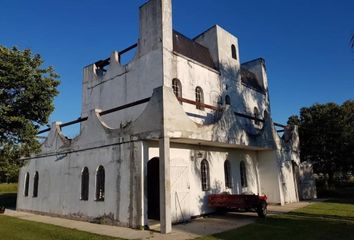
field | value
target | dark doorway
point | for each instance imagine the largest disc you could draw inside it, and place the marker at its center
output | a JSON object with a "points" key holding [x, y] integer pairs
{"points": [[153, 189]]}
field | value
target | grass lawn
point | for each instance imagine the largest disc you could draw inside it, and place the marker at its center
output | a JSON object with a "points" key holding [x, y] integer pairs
{"points": [[17, 229], [8, 187], [333, 219]]}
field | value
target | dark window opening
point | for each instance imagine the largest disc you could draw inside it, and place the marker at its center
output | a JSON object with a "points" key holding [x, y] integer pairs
{"points": [[243, 174], [233, 51], [177, 87], [227, 172], [85, 184], [256, 115], [227, 100], [27, 178], [100, 182], [35, 184], [199, 98], [265, 114], [205, 175]]}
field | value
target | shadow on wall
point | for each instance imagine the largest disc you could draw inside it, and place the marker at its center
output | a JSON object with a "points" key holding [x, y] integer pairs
{"points": [[240, 130], [217, 184]]}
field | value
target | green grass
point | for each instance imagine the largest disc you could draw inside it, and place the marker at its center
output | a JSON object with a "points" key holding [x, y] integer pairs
{"points": [[16, 229], [333, 219], [8, 187]]}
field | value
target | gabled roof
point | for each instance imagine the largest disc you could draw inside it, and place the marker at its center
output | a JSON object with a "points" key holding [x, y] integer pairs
{"points": [[249, 79], [191, 49]]}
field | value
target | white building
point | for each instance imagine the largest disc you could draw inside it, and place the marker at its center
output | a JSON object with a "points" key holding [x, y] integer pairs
{"points": [[182, 120]]}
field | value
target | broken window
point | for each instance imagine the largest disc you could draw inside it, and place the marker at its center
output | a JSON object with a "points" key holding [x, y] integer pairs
{"points": [[27, 178], [205, 176], [243, 174], [199, 98], [85, 184], [233, 51], [100, 179], [227, 100], [256, 115], [177, 87], [227, 172], [35, 185]]}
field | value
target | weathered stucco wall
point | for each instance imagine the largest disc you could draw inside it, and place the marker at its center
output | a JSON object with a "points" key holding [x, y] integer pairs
{"points": [[124, 141], [59, 189], [123, 84], [269, 176], [188, 198]]}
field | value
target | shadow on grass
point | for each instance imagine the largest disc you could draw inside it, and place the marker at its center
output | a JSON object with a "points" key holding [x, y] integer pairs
{"points": [[321, 216], [332, 219], [8, 200], [341, 200], [291, 226]]}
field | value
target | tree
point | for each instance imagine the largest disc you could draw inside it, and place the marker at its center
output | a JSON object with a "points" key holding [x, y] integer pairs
{"points": [[27, 91], [348, 136], [327, 137]]}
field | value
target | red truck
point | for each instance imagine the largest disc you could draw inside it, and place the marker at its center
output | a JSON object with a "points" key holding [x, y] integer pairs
{"points": [[239, 202]]}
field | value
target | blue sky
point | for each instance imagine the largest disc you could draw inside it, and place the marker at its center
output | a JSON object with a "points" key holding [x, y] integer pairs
{"points": [[305, 43]]}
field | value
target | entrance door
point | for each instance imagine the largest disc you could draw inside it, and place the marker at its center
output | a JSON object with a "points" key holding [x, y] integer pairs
{"points": [[153, 189], [180, 186]]}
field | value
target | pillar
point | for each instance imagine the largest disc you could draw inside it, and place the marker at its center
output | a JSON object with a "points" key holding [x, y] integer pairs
{"points": [[165, 186]]}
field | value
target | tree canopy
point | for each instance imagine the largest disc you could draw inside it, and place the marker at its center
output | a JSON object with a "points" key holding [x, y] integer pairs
{"points": [[327, 136], [27, 91]]}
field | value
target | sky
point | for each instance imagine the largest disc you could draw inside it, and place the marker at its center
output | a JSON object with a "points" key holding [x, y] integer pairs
{"points": [[306, 43]]}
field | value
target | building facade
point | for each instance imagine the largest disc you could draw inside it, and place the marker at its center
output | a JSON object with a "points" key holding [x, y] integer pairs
{"points": [[182, 120]]}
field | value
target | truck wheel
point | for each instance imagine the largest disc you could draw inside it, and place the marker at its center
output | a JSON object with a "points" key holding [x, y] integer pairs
{"points": [[262, 210]]}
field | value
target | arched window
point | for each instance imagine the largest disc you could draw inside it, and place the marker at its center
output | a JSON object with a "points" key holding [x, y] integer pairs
{"points": [[205, 177], [256, 115], [227, 172], [243, 173], [27, 179], [85, 184], [35, 184], [233, 51], [265, 114], [177, 87], [227, 100], [100, 179], [199, 98]]}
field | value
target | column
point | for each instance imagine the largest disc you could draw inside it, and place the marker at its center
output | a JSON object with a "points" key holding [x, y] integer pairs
{"points": [[165, 186]]}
